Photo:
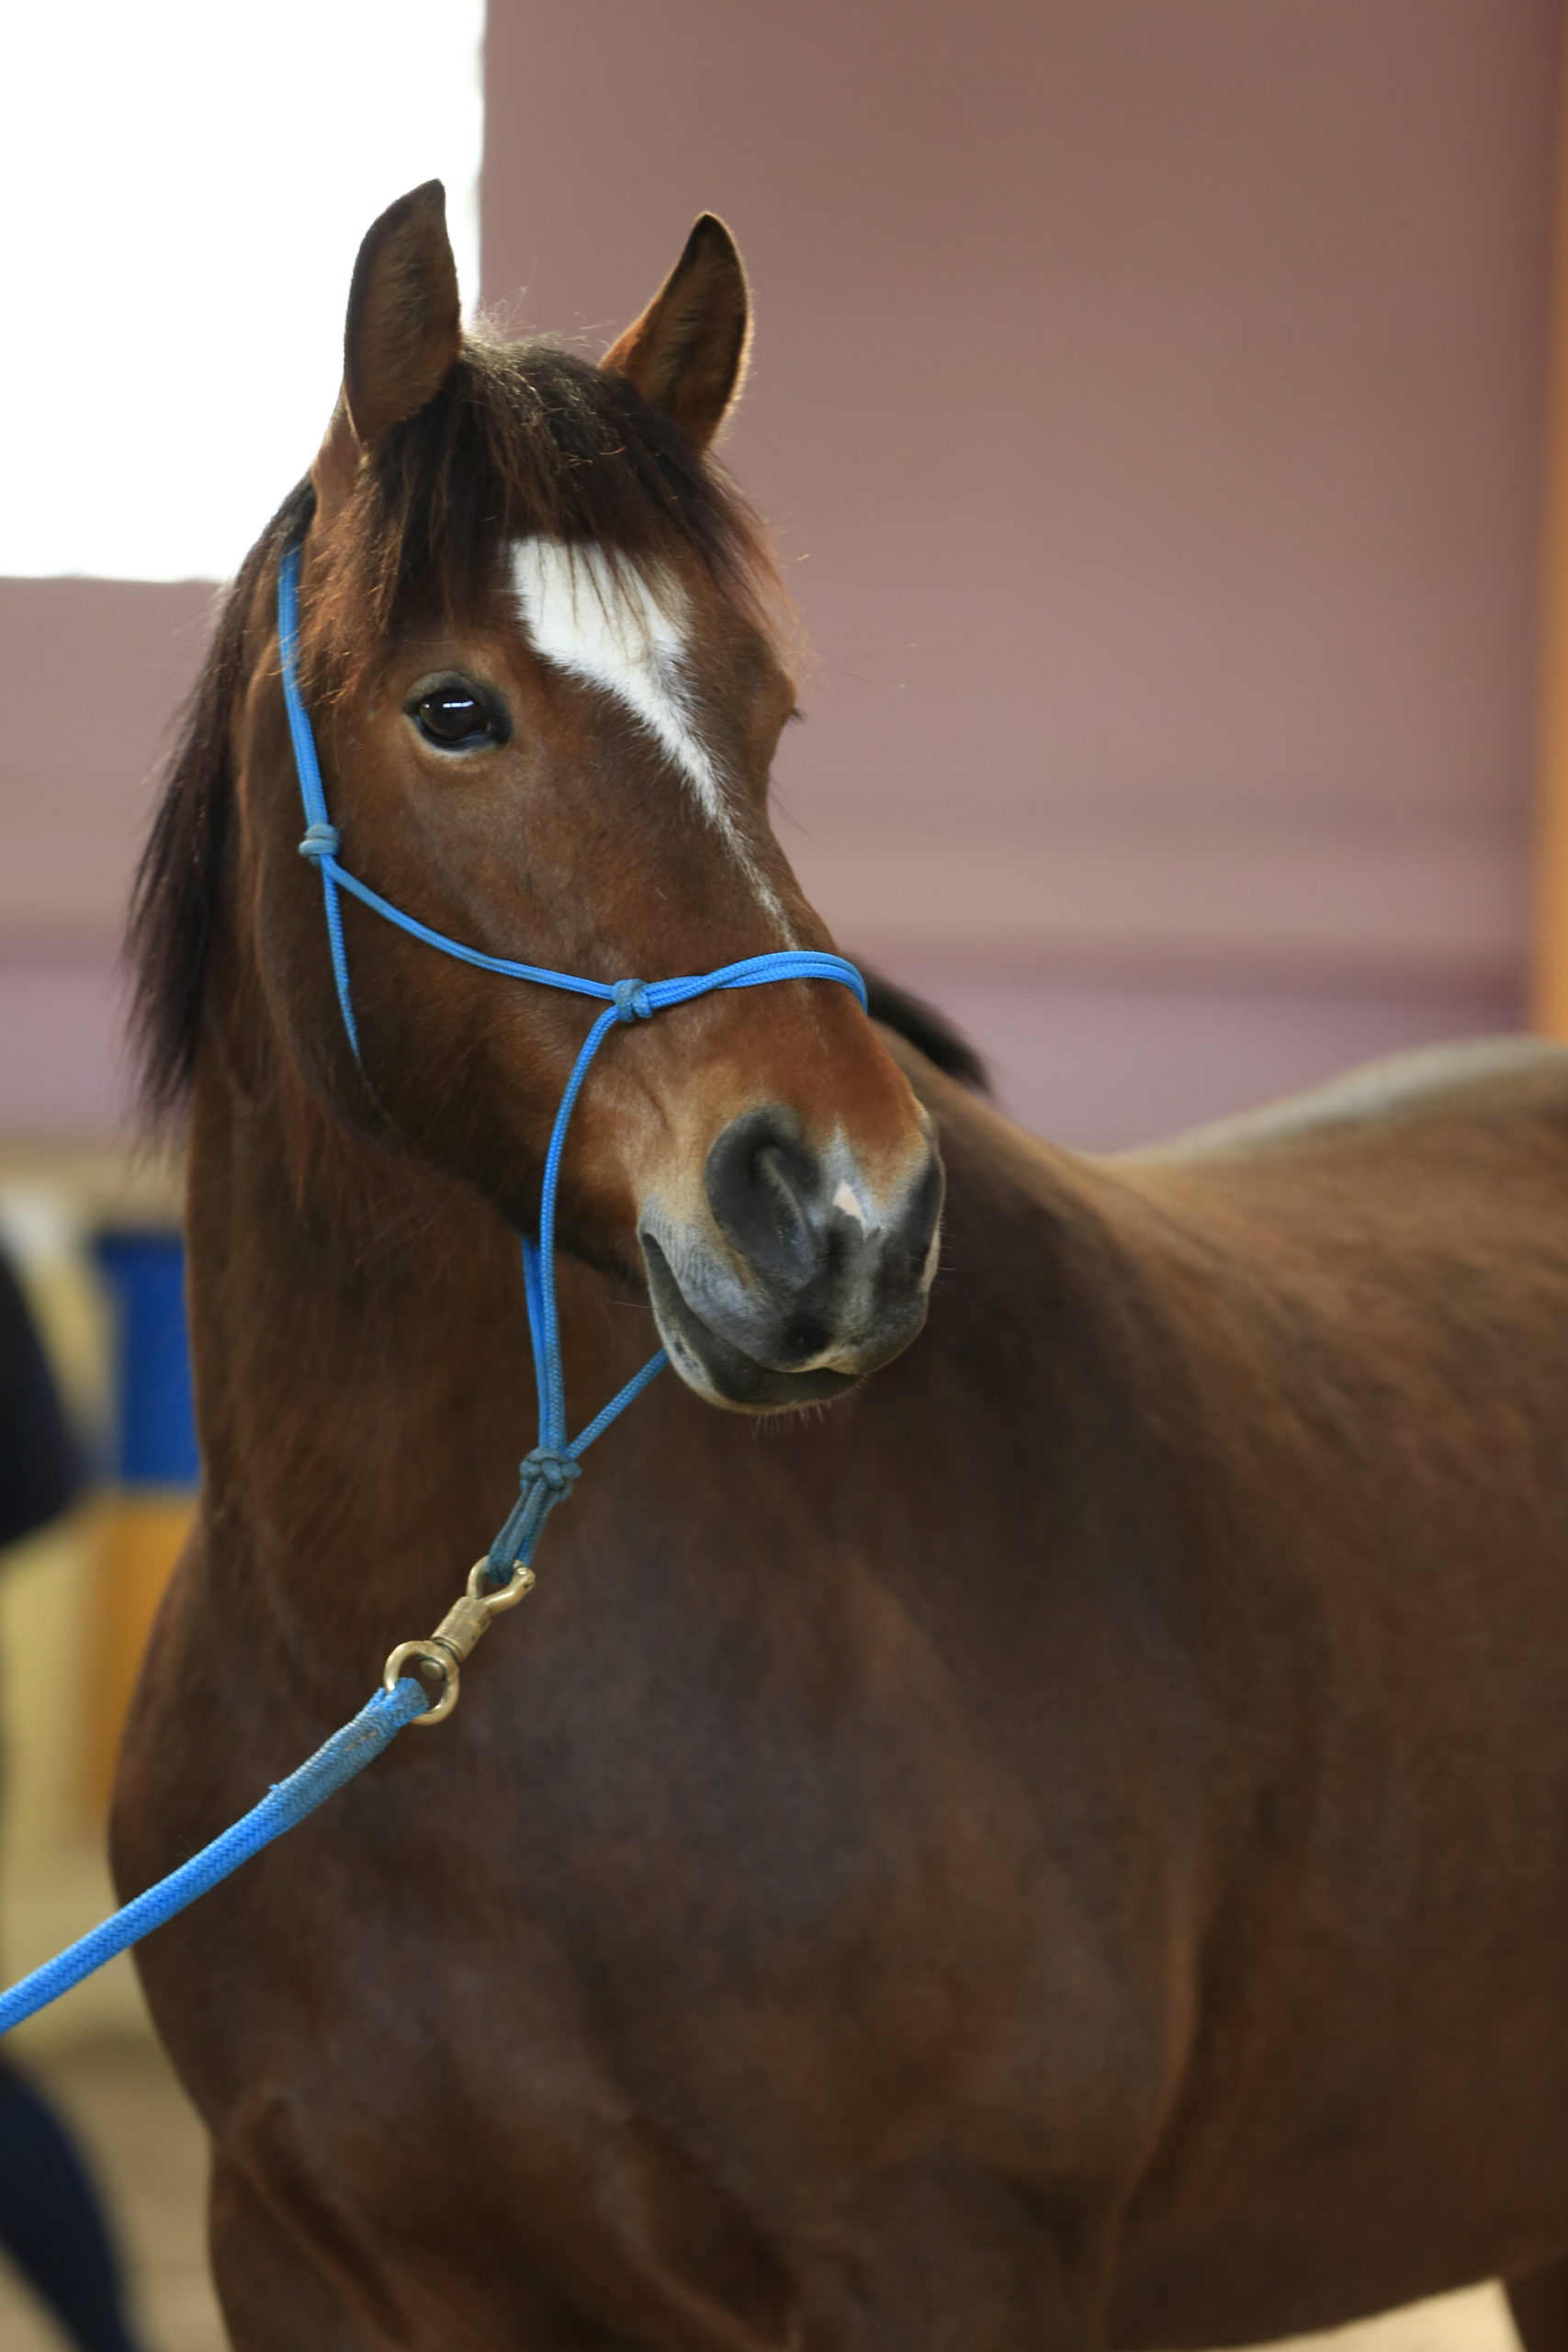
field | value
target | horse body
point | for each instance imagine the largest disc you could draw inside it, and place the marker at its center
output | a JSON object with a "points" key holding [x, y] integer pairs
{"points": [[1382, 1497], [1064, 1846], [1082, 1825]]}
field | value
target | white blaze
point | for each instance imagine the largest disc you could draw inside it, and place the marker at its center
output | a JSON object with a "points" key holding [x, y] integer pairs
{"points": [[848, 1199], [625, 632]]}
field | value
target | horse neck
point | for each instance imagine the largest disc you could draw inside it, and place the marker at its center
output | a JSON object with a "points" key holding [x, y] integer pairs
{"points": [[364, 1380], [365, 1391]]}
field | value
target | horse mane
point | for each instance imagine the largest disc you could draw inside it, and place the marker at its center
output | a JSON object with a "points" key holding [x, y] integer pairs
{"points": [[942, 1043], [522, 439], [175, 895]]}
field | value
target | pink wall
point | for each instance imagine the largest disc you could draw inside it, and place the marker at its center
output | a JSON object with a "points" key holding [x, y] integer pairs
{"points": [[1149, 401], [92, 675]]}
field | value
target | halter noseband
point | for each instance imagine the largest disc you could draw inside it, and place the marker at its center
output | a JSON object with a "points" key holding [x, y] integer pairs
{"points": [[551, 1471]]}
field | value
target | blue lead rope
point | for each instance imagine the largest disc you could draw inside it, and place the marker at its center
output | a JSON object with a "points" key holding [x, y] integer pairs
{"points": [[549, 1472], [332, 1766]]}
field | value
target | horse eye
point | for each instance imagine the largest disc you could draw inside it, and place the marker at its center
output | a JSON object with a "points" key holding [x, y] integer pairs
{"points": [[452, 717]]}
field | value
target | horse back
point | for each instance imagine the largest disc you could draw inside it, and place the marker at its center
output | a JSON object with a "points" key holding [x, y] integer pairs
{"points": [[1492, 1084]]}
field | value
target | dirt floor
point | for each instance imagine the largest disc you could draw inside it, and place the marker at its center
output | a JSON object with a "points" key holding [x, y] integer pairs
{"points": [[148, 2151]]}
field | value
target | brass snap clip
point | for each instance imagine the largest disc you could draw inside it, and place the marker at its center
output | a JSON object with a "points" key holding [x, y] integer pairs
{"points": [[457, 1635]]}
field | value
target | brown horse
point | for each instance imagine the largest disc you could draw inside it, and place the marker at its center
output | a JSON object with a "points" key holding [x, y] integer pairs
{"points": [[1068, 1845]]}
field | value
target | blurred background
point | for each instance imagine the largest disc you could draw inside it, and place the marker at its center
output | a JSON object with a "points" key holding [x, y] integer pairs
{"points": [[1156, 407]]}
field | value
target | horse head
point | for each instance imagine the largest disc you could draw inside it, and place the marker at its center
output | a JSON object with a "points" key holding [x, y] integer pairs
{"points": [[542, 647]]}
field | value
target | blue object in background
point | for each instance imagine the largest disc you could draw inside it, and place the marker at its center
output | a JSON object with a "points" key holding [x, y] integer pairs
{"points": [[154, 1440]]}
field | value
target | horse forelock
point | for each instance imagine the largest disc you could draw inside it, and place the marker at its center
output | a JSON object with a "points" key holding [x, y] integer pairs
{"points": [[530, 444]]}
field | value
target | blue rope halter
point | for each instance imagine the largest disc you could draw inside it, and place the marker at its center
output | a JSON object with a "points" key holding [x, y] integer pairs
{"points": [[549, 1472], [546, 1474]]}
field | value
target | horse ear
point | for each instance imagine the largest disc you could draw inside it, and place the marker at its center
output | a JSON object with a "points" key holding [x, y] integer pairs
{"points": [[402, 334], [687, 353]]}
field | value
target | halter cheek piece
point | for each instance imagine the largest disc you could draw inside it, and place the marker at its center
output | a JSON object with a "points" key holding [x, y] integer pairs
{"points": [[547, 1474]]}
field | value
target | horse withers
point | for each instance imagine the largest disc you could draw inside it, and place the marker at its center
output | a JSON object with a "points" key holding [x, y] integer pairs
{"points": [[1064, 1843]]}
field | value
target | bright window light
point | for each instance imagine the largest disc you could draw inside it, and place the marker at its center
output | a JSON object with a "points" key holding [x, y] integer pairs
{"points": [[185, 183]]}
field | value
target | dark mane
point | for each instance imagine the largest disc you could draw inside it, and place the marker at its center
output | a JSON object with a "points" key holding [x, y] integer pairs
{"points": [[522, 439], [175, 895], [942, 1043]]}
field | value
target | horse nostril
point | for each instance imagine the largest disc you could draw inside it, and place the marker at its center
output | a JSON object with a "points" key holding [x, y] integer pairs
{"points": [[762, 1184], [777, 1194]]}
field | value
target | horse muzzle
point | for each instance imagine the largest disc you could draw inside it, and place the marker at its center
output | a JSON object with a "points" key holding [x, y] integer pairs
{"points": [[800, 1276]]}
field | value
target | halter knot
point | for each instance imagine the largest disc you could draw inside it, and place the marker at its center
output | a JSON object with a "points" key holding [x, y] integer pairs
{"points": [[547, 1466], [632, 1001], [320, 840]]}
